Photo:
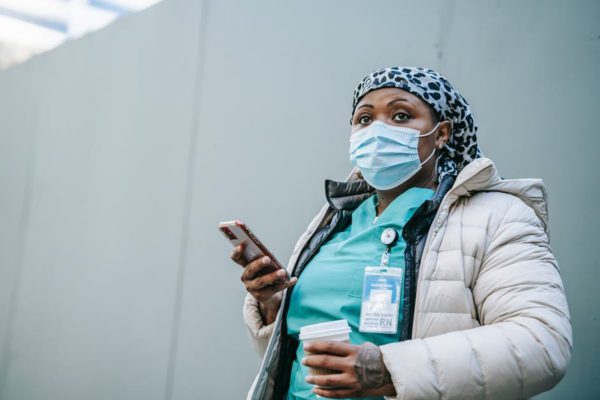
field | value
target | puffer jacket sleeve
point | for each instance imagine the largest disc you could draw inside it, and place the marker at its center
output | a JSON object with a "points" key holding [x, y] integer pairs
{"points": [[260, 334], [524, 344]]}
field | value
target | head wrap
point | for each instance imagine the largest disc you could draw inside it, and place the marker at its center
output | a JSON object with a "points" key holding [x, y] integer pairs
{"points": [[449, 105]]}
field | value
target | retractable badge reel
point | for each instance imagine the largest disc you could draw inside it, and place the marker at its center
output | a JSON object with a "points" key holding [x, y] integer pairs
{"points": [[382, 291]]}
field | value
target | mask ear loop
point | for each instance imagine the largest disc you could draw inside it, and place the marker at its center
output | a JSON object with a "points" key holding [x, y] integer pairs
{"points": [[434, 149], [431, 131], [429, 158]]}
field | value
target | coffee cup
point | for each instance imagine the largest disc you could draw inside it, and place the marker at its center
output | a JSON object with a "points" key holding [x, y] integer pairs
{"points": [[337, 331]]}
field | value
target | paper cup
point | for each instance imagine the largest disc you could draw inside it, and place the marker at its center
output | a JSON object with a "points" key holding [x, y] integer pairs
{"points": [[337, 331]]}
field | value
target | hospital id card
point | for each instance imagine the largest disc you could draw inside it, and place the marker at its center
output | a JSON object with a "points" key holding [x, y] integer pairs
{"points": [[382, 291]]}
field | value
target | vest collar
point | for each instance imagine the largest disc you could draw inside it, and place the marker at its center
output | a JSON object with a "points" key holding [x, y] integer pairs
{"points": [[349, 194]]}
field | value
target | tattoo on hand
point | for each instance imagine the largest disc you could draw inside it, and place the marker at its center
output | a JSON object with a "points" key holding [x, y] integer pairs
{"points": [[369, 367]]}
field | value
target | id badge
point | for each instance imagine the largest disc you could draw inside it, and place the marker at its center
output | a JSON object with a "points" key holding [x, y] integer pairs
{"points": [[380, 306]]}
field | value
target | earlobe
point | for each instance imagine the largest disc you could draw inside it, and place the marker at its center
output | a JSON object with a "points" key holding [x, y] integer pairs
{"points": [[444, 134]]}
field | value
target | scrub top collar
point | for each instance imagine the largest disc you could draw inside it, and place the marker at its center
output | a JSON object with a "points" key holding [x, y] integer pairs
{"points": [[399, 210]]}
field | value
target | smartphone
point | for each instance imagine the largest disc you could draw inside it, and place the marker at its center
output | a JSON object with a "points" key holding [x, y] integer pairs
{"points": [[238, 232]]}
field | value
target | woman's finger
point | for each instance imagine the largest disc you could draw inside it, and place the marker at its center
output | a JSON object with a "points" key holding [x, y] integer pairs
{"points": [[329, 347], [265, 280], [271, 290], [238, 255], [335, 394], [333, 381], [256, 268], [333, 363]]}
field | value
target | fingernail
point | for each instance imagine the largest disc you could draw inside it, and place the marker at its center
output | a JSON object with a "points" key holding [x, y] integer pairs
{"points": [[281, 273], [266, 260], [304, 361], [308, 378]]}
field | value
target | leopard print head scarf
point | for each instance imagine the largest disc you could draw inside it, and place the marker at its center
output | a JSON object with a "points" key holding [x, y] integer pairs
{"points": [[449, 105]]}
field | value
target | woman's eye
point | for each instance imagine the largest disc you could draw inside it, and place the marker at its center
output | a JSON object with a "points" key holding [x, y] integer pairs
{"points": [[400, 117], [364, 119]]}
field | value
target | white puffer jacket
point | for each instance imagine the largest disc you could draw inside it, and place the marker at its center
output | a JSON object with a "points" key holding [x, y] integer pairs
{"points": [[491, 319]]}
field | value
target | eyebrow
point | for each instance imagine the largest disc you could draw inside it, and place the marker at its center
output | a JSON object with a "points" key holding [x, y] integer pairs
{"points": [[398, 99], [389, 104]]}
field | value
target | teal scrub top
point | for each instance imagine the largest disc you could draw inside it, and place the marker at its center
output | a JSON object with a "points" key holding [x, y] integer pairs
{"points": [[330, 287]]}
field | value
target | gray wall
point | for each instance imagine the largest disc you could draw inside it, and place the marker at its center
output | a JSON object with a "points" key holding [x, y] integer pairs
{"points": [[120, 152]]}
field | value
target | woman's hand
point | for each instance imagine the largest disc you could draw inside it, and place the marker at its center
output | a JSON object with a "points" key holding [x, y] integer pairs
{"points": [[359, 370], [264, 281]]}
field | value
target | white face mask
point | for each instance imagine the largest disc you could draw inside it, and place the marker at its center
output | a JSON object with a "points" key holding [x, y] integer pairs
{"points": [[387, 155]]}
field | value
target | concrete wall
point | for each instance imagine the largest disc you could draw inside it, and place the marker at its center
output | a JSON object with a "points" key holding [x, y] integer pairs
{"points": [[120, 152]]}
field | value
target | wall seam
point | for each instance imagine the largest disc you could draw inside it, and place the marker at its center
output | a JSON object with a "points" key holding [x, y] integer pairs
{"points": [[23, 235], [196, 104]]}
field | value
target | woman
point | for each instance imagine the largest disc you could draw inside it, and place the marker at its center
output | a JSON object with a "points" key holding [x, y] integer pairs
{"points": [[482, 311]]}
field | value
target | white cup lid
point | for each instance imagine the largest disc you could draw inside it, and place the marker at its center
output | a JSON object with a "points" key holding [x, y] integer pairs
{"points": [[325, 329]]}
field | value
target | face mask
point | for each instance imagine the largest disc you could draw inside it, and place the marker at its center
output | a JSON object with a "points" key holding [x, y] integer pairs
{"points": [[387, 155]]}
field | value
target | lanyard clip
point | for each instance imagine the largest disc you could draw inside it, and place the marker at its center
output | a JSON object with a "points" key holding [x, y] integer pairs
{"points": [[388, 238], [385, 258]]}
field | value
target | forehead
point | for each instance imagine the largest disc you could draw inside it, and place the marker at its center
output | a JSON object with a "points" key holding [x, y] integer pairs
{"points": [[384, 95]]}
